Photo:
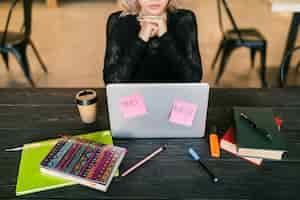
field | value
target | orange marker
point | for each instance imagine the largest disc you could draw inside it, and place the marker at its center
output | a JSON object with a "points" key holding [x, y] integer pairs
{"points": [[214, 143]]}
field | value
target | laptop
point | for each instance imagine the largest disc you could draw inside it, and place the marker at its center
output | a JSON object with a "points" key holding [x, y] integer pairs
{"points": [[157, 118]]}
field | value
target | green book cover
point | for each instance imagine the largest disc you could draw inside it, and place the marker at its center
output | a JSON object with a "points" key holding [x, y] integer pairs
{"points": [[253, 143], [31, 180]]}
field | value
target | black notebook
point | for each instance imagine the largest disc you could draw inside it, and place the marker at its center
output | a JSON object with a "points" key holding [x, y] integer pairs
{"points": [[252, 141]]}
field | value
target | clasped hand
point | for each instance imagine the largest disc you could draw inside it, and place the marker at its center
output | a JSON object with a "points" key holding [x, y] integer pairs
{"points": [[152, 26]]}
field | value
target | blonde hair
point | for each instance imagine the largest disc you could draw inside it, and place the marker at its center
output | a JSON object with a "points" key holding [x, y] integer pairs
{"points": [[132, 7]]}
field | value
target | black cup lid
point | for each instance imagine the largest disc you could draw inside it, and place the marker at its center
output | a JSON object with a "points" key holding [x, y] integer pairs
{"points": [[86, 97]]}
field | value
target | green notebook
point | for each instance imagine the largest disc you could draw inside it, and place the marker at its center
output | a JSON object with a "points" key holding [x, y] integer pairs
{"points": [[252, 142], [31, 180]]}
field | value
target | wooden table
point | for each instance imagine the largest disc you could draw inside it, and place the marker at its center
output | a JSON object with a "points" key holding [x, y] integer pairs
{"points": [[292, 6], [28, 115]]}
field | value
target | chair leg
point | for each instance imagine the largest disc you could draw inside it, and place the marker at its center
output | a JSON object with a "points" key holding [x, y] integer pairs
{"points": [[219, 51], [21, 56], [263, 53], [253, 53], [298, 66], [225, 57], [5, 58], [38, 57], [292, 37], [282, 71]]}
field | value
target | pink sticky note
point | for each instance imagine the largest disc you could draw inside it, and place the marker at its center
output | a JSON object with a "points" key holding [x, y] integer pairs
{"points": [[133, 106], [183, 113]]}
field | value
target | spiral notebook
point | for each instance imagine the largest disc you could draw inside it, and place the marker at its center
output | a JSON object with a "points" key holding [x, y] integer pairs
{"points": [[82, 161], [33, 154]]}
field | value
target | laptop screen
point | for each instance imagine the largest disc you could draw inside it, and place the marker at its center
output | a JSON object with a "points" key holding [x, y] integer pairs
{"points": [[175, 110]]}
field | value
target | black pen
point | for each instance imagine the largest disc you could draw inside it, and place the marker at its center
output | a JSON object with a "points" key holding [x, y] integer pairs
{"points": [[197, 158], [263, 131]]}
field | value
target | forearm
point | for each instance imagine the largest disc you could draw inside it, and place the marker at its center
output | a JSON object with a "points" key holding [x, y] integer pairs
{"points": [[119, 67], [189, 66]]}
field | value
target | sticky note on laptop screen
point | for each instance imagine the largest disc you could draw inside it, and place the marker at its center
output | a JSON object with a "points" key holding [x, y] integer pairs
{"points": [[133, 106], [183, 113]]}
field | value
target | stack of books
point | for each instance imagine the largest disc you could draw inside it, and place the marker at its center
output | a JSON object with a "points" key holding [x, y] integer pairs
{"points": [[255, 136]]}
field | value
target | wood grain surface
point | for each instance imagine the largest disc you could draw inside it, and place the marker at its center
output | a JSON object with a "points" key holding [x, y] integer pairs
{"points": [[28, 115]]}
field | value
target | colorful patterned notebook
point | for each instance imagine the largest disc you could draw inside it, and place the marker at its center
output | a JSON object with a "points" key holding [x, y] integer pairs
{"points": [[83, 161], [31, 180]]}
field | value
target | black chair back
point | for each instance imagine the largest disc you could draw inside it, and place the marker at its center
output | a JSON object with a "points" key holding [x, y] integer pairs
{"points": [[27, 16], [27, 7], [224, 3]]}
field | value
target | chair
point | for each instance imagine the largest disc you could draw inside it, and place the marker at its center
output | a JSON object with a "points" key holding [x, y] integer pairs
{"points": [[16, 42], [235, 38], [284, 65]]}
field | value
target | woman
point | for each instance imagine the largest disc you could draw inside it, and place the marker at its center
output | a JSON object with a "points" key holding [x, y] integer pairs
{"points": [[152, 41]]}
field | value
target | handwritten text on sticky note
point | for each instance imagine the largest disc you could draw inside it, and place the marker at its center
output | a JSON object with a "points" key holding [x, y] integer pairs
{"points": [[183, 113], [133, 106]]}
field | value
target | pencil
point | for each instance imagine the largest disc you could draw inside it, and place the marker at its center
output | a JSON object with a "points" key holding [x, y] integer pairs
{"points": [[140, 163], [32, 145]]}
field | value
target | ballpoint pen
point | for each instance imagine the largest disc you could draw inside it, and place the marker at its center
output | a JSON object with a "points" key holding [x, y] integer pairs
{"points": [[196, 157], [263, 131]]}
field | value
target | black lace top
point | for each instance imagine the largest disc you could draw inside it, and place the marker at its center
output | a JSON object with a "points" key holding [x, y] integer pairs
{"points": [[174, 57]]}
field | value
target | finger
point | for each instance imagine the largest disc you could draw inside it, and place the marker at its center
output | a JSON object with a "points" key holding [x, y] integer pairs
{"points": [[156, 21], [151, 30], [150, 17], [156, 28], [161, 18], [144, 22], [152, 34], [155, 31], [152, 25], [150, 20], [144, 17]]}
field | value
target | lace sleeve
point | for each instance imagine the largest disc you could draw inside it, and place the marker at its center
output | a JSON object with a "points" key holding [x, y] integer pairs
{"points": [[185, 61], [119, 64]]}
